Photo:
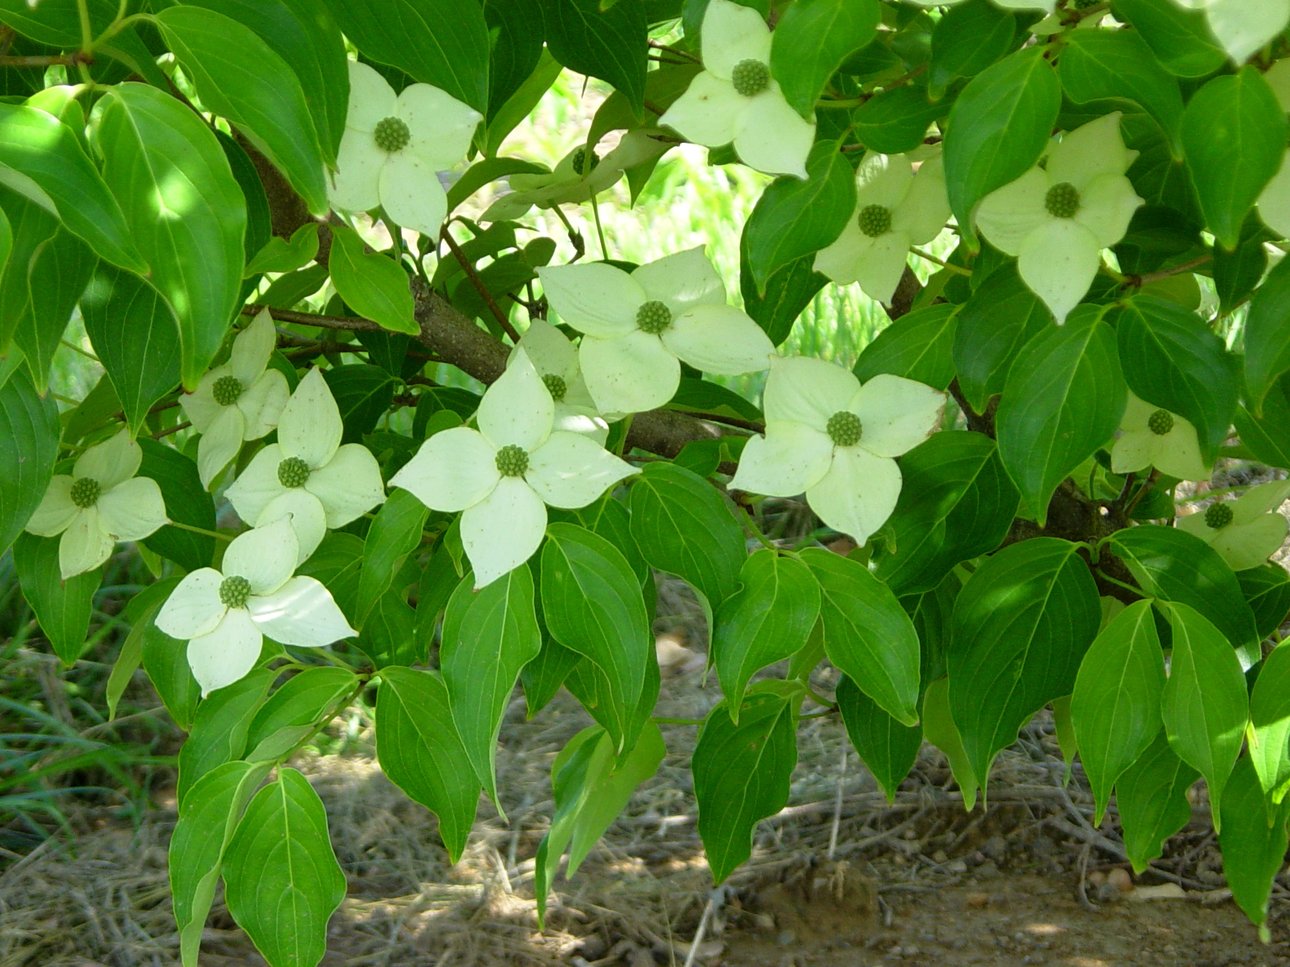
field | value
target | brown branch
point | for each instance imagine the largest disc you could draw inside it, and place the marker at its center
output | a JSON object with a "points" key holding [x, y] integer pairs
{"points": [[45, 60]]}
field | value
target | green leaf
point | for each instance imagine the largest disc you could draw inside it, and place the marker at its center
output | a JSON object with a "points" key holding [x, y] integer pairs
{"points": [[605, 43], [1253, 842], [187, 502], [27, 228], [794, 218], [1269, 738], [419, 750], [1264, 434], [956, 503], [302, 700], [998, 127], [1000, 317], [28, 449], [184, 210], [57, 275], [940, 730], [203, 829], [1064, 398], [1267, 591], [1238, 272], [788, 291], [812, 39], [896, 120], [1021, 625], [887, 747], [1267, 337], [1115, 708], [374, 286], [220, 728], [1234, 139], [488, 636], [363, 395], [917, 346], [394, 534], [165, 659], [285, 255], [867, 634], [136, 337], [1204, 703], [63, 608], [592, 604], [768, 619], [516, 30], [1171, 358], [1151, 798], [1180, 38], [741, 775], [56, 22], [281, 879], [966, 40]]}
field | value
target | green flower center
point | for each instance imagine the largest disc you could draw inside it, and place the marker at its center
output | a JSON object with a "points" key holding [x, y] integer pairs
{"points": [[1062, 200], [1218, 515], [226, 390], [556, 386], [85, 491], [512, 461], [653, 317], [391, 134], [233, 592], [1160, 422], [750, 77], [293, 472], [580, 163], [844, 428], [875, 220]]}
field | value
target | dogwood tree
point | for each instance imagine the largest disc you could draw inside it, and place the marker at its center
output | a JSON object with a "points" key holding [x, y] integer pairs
{"points": [[292, 233]]}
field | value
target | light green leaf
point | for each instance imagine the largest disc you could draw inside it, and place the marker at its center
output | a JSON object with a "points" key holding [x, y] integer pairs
{"points": [[1151, 798], [940, 730], [394, 534], [302, 700], [886, 746], [372, 285], [812, 39], [1000, 317], [28, 449], [1267, 337], [285, 255], [896, 120], [1180, 38], [1269, 736], [916, 346], [63, 608], [221, 726], [1253, 842]]}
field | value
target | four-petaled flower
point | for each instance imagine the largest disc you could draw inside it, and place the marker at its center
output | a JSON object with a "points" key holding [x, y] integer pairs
{"points": [[1057, 219], [394, 146], [834, 439], [638, 327], [1247, 531], [308, 475], [1151, 436], [735, 99], [556, 360], [238, 401], [895, 208], [99, 503], [503, 475], [224, 615]]}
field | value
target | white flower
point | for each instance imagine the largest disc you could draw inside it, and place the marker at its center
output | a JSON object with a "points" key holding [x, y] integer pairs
{"points": [[238, 401], [308, 475], [735, 98], [1154, 437], [834, 439], [1247, 531], [100, 503], [394, 146], [639, 326], [1242, 26], [1057, 219], [224, 615], [894, 209], [556, 360], [503, 475]]}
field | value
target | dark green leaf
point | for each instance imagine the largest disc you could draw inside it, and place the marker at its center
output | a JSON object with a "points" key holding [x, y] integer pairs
{"points": [[28, 449], [896, 120], [187, 502], [363, 395], [609, 44], [57, 275], [967, 39], [394, 534], [1270, 725], [887, 747], [63, 608], [1253, 842], [940, 730], [1097, 65], [1267, 337], [812, 39], [1000, 317], [1267, 591], [788, 291], [374, 286], [221, 726], [301, 700], [1180, 38], [1151, 797], [917, 346]]}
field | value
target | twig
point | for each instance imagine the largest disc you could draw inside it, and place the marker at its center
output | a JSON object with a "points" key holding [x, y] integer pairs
{"points": [[478, 283]]}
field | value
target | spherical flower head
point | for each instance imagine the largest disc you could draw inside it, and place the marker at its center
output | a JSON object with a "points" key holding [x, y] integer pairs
{"points": [[1247, 531], [556, 360], [503, 475], [309, 476], [238, 401], [1242, 27], [99, 503], [638, 327], [1151, 436], [735, 98], [895, 208], [224, 615], [394, 146], [835, 439], [1057, 218]]}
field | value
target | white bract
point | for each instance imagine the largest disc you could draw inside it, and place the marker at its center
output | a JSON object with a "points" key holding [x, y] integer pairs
{"points": [[1153, 437], [394, 147], [308, 475], [1242, 26], [895, 208], [225, 614], [238, 401], [834, 439], [503, 475], [1247, 531], [637, 328], [1056, 219], [556, 360], [99, 503], [735, 99]]}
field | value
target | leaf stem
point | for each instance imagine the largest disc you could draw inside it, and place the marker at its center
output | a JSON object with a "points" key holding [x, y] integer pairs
{"points": [[200, 530]]}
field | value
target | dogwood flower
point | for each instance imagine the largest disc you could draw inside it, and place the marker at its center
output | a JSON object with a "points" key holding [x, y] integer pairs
{"points": [[225, 614], [1057, 218], [394, 146], [734, 98], [1153, 437], [1241, 27], [99, 503], [895, 208], [1247, 531], [238, 401], [638, 327], [503, 475], [834, 439], [556, 360], [308, 475]]}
